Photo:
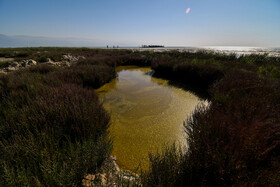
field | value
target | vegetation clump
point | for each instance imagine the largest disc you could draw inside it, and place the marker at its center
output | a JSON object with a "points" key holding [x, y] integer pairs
{"points": [[234, 140], [53, 128]]}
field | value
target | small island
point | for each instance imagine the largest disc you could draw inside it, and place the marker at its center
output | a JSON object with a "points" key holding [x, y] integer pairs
{"points": [[152, 46]]}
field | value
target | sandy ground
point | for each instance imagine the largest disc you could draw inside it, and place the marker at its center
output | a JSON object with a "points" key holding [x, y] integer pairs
{"points": [[2, 59]]}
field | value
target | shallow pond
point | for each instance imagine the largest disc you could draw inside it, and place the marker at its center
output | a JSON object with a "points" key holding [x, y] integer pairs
{"points": [[146, 114]]}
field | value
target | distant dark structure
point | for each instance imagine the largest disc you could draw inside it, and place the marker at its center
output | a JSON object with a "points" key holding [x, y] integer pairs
{"points": [[152, 46]]}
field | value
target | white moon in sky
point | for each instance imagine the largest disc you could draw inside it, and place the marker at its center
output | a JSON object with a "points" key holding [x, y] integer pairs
{"points": [[188, 10]]}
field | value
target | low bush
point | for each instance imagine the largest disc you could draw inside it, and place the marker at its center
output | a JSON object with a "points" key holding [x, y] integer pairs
{"points": [[194, 77], [233, 141], [53, 129], [5, 64], [91, 76]]}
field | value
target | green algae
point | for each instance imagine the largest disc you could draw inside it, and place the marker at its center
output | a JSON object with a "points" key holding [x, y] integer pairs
{"points": [[146, 114]]}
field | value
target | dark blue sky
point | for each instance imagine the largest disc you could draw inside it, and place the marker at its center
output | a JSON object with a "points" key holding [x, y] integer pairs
{"points": [[136, 22]]}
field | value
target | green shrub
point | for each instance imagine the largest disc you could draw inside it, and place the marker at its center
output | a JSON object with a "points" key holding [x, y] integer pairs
{"points": [[53, 132], [271, 71], [4, 64], [231, 142]]}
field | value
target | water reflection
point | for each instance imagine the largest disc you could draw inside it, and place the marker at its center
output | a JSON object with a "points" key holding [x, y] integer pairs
{"points": [[146, 113]]}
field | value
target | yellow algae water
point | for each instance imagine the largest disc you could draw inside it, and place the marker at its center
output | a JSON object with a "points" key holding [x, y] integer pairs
{"points": [[146, 114]]}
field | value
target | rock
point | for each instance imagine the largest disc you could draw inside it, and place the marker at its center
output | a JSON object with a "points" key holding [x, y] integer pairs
{"points": [[14, 64], [90, 177], [110, 165], [116, 166], [128, 178], [9, 69], [3, 71], [81, 57], [23, 63], [67, 64], [88, 180], [110, 175], [31, 62], [101, 179], [50, 62], [26, 63], [2, 59], [95, 180], [72, 59], [113, 158], [63, 63]]}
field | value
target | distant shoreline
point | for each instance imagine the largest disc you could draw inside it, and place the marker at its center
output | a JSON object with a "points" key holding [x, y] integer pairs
{"points": [[228, 50]]}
